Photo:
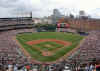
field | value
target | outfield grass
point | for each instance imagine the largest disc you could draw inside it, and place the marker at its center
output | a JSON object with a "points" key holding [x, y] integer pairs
{"points": [[25, 37]]}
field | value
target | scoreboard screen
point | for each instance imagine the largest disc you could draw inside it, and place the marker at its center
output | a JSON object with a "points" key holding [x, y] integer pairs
{"points": [[62, 25]]}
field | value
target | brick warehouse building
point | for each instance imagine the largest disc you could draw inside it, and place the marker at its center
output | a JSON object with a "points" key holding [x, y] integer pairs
{"points": [[82, 25], [85, 24]]}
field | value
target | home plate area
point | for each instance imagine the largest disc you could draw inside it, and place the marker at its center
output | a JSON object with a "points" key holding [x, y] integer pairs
{"points": [[48, 46]]}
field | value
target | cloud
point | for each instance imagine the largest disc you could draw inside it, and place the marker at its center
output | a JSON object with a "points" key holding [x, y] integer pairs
{"points": [[45, 7], [8, 3]]}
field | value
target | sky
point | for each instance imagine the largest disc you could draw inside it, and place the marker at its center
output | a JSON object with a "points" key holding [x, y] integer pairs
{"points": [[41, 8]]}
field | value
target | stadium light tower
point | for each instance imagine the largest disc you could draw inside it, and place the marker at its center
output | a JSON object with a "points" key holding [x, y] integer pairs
{"points": [[31, 14]]}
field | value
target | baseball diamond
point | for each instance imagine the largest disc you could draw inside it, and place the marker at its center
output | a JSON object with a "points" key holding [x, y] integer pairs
{"points": [[48, 46]]}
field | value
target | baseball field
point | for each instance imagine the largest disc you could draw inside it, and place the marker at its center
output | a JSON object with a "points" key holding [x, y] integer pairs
{"points": [[48, 46]]}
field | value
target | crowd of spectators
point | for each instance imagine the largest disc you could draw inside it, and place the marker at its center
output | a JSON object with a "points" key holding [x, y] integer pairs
{"points": [[10, 52], [88, 53], [90, 48]]}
